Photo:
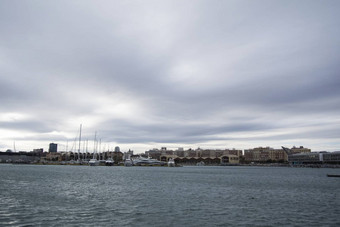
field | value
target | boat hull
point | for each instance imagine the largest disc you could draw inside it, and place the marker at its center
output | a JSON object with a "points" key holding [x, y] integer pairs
{"points": [[333, 175]]}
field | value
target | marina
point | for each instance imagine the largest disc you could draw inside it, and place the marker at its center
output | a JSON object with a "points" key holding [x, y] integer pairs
{"points": [[102, 101]]}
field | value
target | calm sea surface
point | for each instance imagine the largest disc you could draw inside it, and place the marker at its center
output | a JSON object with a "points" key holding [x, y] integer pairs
{"points": [[160, 196]]}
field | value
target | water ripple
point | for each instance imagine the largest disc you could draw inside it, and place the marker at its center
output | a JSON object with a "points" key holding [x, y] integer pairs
{"points": [[158, 196]]}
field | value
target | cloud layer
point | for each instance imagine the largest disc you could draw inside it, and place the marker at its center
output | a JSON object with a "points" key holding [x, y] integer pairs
{"points": [[147, 74]]}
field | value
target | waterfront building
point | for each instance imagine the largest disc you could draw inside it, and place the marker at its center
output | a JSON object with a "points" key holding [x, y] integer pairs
{"points": [[268, 154], [180, 152], [38, 150], [19, 157], [258, 154], [128, 154], [191, 154], [53, 157], [192, 157], [301, 149], [314, 158], [305, 158], [331, 157], [153, 153], [53, 147], [277, 155], [230, 159]]}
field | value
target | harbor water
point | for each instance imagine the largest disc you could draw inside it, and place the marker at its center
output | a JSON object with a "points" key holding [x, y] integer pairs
{"points": [[38, 195]]}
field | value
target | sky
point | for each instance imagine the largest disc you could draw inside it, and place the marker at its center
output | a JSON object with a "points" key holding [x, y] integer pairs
{"points": [[150, 74]]}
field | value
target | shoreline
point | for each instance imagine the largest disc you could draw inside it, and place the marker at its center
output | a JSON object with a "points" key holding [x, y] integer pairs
{"points": [[332, 166]]}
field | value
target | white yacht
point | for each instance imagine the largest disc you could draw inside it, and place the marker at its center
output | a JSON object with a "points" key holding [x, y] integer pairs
{"points": [[93, 162], [109, 162], [146, 161], [128, 162], [171, 162]]}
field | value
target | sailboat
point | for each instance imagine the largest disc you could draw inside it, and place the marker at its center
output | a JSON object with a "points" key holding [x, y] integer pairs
{"points": [[79, 161], [94, 161]]}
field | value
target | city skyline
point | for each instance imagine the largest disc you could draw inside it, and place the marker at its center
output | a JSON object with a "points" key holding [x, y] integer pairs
{"points": [[151, 74]]}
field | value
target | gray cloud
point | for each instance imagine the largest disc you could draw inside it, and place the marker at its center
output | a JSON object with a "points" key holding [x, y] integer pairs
{"points": [[176, 73]]}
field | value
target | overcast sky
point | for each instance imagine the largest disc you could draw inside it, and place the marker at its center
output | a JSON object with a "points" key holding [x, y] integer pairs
{"points": [[146, 74]]}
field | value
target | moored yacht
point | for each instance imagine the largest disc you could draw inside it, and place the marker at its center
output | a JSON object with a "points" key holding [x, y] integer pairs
{"points": [[128, 162], [109, 162], [146, 161], [171, 162], [93, 162]]}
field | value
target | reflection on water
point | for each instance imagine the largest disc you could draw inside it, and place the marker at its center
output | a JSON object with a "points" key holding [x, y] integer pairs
{"points": [[161, 196]]}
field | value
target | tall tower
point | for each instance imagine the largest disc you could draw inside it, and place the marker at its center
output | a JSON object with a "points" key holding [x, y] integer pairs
{"points": [[53, 147]]}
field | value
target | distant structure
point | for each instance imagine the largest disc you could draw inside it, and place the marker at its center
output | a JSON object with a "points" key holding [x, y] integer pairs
{"points": [[268, 154], [296, 150], [304, 156], [20, 157], [322, 157], [117, 149], [128, 154], [38, 150], [193, 157], [53, 147], [265, 154]]}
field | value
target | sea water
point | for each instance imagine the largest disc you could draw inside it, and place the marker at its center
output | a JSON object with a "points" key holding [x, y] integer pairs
{"points": [[37, 195]]}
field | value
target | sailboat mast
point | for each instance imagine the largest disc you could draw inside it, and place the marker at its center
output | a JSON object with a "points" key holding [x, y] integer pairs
{"points": [[94, 143], [87, 142], [66, 145], [79, 141], [100, 149], [83, 151]]}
